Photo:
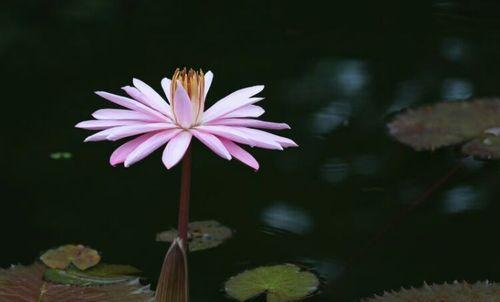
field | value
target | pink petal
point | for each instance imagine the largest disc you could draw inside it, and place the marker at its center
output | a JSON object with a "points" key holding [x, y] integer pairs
{"points": [[155, 101], [237, 134], [232, 102], [130, 104], [240, 154], [125, 131], [209, 76], [262, 135], [121, 153], [123, 114], [100, 125], [176, 148], [100, 136], [166, 84], [139, 96], [226, 132], [212, 142], [246, 111], [150, 145], [243, 122], [182, 107]]}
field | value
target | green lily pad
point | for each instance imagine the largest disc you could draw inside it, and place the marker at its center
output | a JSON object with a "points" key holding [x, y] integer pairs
{"points": [[446, 124], [111, 270], [101, 274], [26, 283], [454, 292], [80, 256], [281, 283], [202, 235], [61, 155]]}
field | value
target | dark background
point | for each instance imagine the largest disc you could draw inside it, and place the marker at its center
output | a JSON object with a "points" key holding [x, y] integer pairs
{"points": [[335, 71]]}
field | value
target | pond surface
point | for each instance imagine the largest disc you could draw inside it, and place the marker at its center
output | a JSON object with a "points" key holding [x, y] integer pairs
{"points": [[336, 73]]}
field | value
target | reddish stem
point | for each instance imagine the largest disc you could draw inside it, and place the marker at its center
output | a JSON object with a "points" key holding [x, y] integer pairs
{"points": [[184, 198]]}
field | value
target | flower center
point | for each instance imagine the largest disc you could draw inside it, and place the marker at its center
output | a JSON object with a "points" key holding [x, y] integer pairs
{"points": [[194, 84]]}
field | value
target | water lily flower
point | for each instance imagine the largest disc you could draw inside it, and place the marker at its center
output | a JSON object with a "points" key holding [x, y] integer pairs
{"points": [[155, 122]]}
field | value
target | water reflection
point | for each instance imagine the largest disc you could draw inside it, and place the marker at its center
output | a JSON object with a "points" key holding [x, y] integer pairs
{"points": [[336, 169], [456, 89], [407, 93], [461, 199], [453, 49], [283, 216], [331, 117], [351, 77], [328, 269]]}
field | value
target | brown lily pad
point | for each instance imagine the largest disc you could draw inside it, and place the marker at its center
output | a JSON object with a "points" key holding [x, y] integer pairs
{"points": [[26, 283], [454, 292], [487, 147], [80, 256], [445, 124], [202, 235]]}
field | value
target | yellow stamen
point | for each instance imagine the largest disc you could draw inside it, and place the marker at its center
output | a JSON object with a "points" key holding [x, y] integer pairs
{"points": [[194, 84]]}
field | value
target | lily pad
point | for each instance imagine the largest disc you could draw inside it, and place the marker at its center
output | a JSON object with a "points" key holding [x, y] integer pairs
{"points": [[487, 147], [454, 292], [102, 274], [110, 270], [26, 283], [80, 256], [82, 279], [446, 124], [281, 283], [202, 235]]}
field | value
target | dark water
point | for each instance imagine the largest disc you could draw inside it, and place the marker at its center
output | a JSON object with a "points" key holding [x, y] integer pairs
{"points": [[334, 72]]}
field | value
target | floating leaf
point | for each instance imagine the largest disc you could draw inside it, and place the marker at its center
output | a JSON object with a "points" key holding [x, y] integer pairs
{"points": [[74, 277], [101, 274], [61, 155], [487, 147], [111, 270], [25, 283], [80, 256], [281, 283], [455, 292], [445, 124], [202, 235]]}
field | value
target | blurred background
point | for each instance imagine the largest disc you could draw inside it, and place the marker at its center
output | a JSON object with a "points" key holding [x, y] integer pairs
{"points": [[335, 71]]}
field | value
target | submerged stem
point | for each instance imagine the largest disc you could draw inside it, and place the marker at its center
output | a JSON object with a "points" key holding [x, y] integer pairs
{"points": [[184, 198]]}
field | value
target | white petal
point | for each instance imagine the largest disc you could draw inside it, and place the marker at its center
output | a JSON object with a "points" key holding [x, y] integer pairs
{"points": [[209, 76], [166, 84], [123, 114]]}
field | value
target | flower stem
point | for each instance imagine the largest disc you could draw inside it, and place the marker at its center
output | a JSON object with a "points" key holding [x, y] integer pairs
{"points": [[184, 198]]}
